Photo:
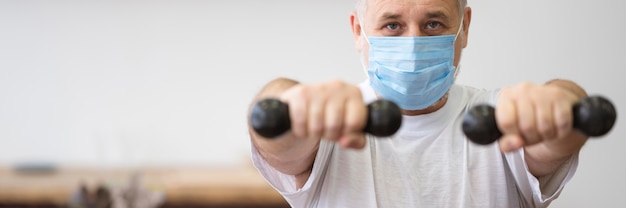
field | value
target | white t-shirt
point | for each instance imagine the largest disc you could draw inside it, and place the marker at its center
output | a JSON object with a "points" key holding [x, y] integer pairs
{"points": [[428, 163]]}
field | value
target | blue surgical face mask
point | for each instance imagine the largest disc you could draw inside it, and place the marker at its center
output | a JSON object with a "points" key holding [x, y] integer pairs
{"points": [[413, 72]]}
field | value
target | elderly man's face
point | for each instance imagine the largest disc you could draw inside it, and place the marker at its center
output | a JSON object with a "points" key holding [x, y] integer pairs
{"points": [[411, 18]]}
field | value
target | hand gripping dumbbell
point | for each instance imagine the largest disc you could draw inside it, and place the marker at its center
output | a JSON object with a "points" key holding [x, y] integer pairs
{"points": [[270, 118], [594, 116]]}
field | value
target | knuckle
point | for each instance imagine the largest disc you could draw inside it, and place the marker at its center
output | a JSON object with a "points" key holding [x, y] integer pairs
{"points": [[352, 88], [545, 130], [526, 85], [353, 125], [299, 89], [564, 125], [333, 127], [315, 131], [528, 128], [563, 120], [521, 86], [298, 124], [334, 84]]}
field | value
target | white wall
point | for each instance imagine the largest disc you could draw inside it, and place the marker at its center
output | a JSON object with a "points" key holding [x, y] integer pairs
{"points": [[128, 83]]}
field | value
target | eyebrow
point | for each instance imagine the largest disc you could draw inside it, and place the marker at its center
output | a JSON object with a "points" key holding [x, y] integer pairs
{"points": [[387, 16], [436, 14]]}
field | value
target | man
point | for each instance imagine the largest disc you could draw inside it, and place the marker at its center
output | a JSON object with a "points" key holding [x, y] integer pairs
{"points": [[410, 50]]}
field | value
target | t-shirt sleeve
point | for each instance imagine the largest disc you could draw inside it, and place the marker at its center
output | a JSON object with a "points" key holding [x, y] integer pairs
{"points": [[286, 184], [539, 192]]}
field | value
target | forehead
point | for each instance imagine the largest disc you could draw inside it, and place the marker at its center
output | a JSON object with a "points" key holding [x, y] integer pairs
{"points": [[380, 7]]}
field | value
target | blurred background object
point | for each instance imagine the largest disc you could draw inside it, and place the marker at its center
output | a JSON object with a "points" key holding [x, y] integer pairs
{"points": [[133, 194], [131, 188]]}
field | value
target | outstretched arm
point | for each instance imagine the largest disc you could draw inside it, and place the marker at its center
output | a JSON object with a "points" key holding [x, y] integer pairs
{"points": [[539, 119], [332, 110], [286, 154]]}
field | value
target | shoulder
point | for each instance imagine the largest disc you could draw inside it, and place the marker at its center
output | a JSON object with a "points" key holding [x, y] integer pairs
{"points": [[367, 91]]}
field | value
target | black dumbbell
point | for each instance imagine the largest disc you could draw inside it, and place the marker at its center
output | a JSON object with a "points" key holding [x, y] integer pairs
{"points": [[594, 116], [270, 118]]}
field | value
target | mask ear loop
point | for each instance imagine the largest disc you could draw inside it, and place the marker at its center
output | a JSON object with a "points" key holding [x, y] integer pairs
{"points": [[458, 66], [362, 57]]}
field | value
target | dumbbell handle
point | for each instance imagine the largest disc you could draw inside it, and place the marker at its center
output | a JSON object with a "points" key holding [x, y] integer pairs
{"points": [[594, 116], [270, 118]]}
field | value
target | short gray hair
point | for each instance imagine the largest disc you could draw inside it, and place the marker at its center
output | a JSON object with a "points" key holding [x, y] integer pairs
{"points": [[361, 6]]}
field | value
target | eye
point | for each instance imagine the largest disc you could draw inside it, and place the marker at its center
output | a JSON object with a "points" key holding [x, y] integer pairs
{"points": [[393, 26], [433, 25]]}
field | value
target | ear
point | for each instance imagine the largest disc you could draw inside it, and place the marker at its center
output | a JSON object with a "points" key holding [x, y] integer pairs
{"points": [[355, 25], [467, 19]]}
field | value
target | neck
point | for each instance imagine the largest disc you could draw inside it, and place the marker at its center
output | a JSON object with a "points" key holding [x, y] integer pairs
{"points": [[438, 105]]}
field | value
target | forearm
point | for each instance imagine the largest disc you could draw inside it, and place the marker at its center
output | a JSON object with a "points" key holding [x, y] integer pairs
{"points": [[287, 154], [546, 157]]}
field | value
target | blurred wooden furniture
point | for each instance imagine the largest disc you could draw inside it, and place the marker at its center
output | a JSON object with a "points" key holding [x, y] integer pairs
{"points": [[183, 187]]}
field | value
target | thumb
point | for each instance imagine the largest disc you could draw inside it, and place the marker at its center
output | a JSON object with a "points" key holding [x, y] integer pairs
{"points": [[353, 140]]}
